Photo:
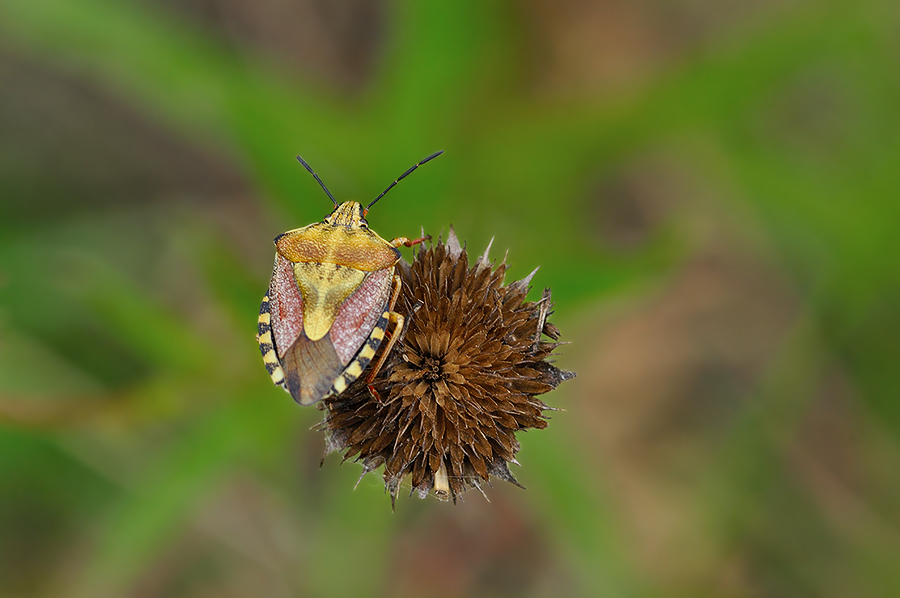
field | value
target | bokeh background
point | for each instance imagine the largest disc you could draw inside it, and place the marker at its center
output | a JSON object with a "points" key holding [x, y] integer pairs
{"points": [[710, 188]]}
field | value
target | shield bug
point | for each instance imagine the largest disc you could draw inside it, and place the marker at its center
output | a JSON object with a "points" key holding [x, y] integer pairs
{"points": [[330, 301]]}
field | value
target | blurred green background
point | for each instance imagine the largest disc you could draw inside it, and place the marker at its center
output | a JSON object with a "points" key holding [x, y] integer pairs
{"points": [[710, 188]]}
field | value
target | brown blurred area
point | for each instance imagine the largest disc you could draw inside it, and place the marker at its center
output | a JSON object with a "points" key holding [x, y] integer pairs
{"points": [[611, 47], [338, 43]]}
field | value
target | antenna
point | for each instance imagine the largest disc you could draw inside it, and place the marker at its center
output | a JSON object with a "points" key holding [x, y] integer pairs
{"points": [[305, 165], [402, 176]]}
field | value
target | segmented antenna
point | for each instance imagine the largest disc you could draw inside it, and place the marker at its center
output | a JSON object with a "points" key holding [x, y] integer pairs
{"points": [[305, 165], [402, 176]]}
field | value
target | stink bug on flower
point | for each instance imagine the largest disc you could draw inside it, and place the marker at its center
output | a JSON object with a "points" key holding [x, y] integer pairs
{"points": [[330, 301]]}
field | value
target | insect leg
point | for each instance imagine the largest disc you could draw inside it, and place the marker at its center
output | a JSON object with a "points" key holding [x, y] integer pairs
{"points": [[395, 292], [409, 243], [397, 320]]}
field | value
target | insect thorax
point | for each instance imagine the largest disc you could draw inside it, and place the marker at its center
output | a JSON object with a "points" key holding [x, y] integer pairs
{"points": [[352, 245]]}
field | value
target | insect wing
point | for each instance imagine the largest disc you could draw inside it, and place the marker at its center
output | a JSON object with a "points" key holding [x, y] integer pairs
{"points": [[360, 313], [280, 319], [286, 306], [311, 370]]}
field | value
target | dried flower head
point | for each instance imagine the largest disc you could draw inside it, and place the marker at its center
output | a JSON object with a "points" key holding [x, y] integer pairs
{"points": [[462, 380]]}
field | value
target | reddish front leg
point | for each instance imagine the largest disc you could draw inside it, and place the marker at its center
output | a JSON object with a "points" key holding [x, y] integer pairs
{"points": [[409, 243]]}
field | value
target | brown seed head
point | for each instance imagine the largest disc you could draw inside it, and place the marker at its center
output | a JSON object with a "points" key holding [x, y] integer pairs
{"points": [[462, 380]]}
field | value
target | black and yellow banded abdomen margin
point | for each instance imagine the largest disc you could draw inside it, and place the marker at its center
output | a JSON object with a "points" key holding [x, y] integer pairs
{"points": [[362, 359], [267, 345]]}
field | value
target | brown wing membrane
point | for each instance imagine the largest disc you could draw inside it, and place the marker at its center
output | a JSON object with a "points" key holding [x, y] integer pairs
{"points": [[310, 369]]}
